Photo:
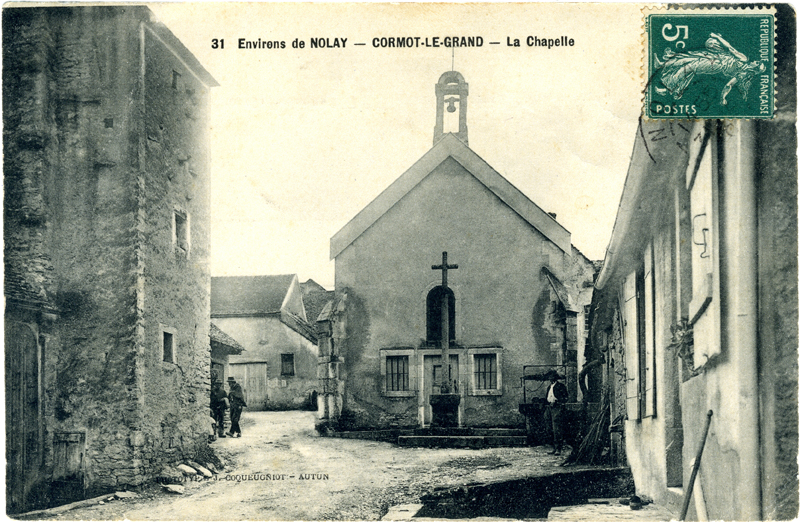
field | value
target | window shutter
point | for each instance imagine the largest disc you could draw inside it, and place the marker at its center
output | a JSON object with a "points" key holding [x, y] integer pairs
{"points": [[631, 340], [650, 334], [703, 312]]}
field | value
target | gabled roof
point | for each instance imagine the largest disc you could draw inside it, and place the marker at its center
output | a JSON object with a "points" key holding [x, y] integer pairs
{"points": [[219, 338], [247, 295], [314, 302], [312, 286], [450, 146]]}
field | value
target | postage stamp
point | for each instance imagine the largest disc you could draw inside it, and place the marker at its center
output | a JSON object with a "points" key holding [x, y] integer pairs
{"points": [[710, 63]]}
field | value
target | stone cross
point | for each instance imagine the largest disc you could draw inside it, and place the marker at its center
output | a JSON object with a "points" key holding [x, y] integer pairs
{"points": [[445, 323]]}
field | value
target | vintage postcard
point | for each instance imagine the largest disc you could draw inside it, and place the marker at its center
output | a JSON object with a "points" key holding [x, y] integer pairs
{"points": [[397, 261]]}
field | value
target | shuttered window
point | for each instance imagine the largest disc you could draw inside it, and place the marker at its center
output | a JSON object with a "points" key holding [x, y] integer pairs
{"points": [[630, 316], [648, 294]]}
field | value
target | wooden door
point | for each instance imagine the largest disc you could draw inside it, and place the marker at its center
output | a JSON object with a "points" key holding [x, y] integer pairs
{"points": [[23, 420], [253, 378], [433, 377]]}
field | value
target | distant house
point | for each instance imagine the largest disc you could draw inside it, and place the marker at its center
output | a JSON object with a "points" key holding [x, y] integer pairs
{"points": [[266, 315], [696, 309], [222, 346]]}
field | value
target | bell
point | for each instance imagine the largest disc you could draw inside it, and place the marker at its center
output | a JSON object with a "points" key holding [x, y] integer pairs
{"points": [[451, 107]]}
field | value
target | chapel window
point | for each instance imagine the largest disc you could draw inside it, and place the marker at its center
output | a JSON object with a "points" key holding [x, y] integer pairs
{"points": [[485, 371], [434, 313], [397, 373]]}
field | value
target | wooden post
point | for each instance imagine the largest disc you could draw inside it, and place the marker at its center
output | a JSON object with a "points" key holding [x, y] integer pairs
{"points": [[687, 497]]}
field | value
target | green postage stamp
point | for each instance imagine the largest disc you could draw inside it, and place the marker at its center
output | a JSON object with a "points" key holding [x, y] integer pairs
{"points": [[709, 63]]}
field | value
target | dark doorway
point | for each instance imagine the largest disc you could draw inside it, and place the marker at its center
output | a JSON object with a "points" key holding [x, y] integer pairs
{"points": [[23, 429]]}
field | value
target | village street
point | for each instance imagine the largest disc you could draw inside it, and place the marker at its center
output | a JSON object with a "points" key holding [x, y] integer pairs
{"points": [[353, 479]]}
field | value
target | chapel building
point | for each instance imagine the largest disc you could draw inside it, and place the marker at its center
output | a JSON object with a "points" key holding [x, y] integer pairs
{"points": [[515, 290]]}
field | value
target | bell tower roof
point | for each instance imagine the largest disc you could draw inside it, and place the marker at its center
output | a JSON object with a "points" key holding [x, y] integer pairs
{"points": [[451, 95]]}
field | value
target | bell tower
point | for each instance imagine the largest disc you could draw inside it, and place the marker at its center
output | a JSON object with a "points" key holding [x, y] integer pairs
{"points": [[451, 95]]}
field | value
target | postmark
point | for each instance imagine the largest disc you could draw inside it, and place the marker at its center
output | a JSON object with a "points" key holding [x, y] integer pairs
{"points": [[709, 63]]}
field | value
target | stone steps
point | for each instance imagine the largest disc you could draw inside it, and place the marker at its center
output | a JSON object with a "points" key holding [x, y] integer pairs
{"points": [[461, 441]]}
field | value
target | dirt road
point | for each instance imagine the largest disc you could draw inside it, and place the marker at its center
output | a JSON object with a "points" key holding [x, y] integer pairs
{"points": [[282, 470]]}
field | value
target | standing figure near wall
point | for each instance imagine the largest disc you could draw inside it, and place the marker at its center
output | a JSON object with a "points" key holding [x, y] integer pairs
{"points": [[557, 396], [236, 398], [219, 403]]}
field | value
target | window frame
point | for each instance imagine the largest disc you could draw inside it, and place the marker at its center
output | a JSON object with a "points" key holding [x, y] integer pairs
{"points": [[497, 351], [173, 333], [410, 353], [389, 373], [284, 360], [181, 245]]}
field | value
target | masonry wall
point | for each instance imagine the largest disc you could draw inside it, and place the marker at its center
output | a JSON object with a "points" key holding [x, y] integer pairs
{"points": [[501, 295], [173, 274], [74, 134], [90, 200], [777, 274]]}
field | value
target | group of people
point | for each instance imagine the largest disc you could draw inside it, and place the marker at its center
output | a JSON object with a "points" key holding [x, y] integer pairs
{"points": [[221, 401]]}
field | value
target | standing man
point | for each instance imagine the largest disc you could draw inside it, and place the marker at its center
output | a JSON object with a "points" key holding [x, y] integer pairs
{"points": [[557, 396], [219, 403], [236, 398]]}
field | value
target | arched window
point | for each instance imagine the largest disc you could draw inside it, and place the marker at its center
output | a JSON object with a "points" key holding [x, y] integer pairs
{"points": [[434, 313]]}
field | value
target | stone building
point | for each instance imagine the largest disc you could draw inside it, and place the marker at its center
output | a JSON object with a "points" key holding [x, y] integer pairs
{"points": [[106, 250], [380, 340], [696, 308], [278, 369]]}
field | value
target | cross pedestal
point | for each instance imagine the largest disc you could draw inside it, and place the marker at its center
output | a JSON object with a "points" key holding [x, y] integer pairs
{"points": [[444, 410]]}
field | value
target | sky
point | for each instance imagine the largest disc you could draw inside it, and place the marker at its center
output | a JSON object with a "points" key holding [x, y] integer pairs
{"points": [[303, 139]]}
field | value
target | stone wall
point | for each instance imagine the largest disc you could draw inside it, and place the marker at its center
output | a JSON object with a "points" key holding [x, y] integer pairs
{"points": [[175, 277], [777, 274], [92, 233]]}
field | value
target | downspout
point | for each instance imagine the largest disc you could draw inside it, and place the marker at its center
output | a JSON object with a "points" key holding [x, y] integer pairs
{"points": [[742, 260]]}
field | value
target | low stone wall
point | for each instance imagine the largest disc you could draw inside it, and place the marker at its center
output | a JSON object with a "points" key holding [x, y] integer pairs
{"points": [[527, 498]]}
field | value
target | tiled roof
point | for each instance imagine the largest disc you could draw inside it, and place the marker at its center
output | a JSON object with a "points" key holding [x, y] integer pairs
{"points": [[249, 294], [218, 336], [312, 286], [314, 302]]}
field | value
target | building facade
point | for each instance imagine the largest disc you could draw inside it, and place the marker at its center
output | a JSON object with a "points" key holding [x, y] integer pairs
{"points": [[106, 250], [696, 311], [380, 341], [278, 369]]}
